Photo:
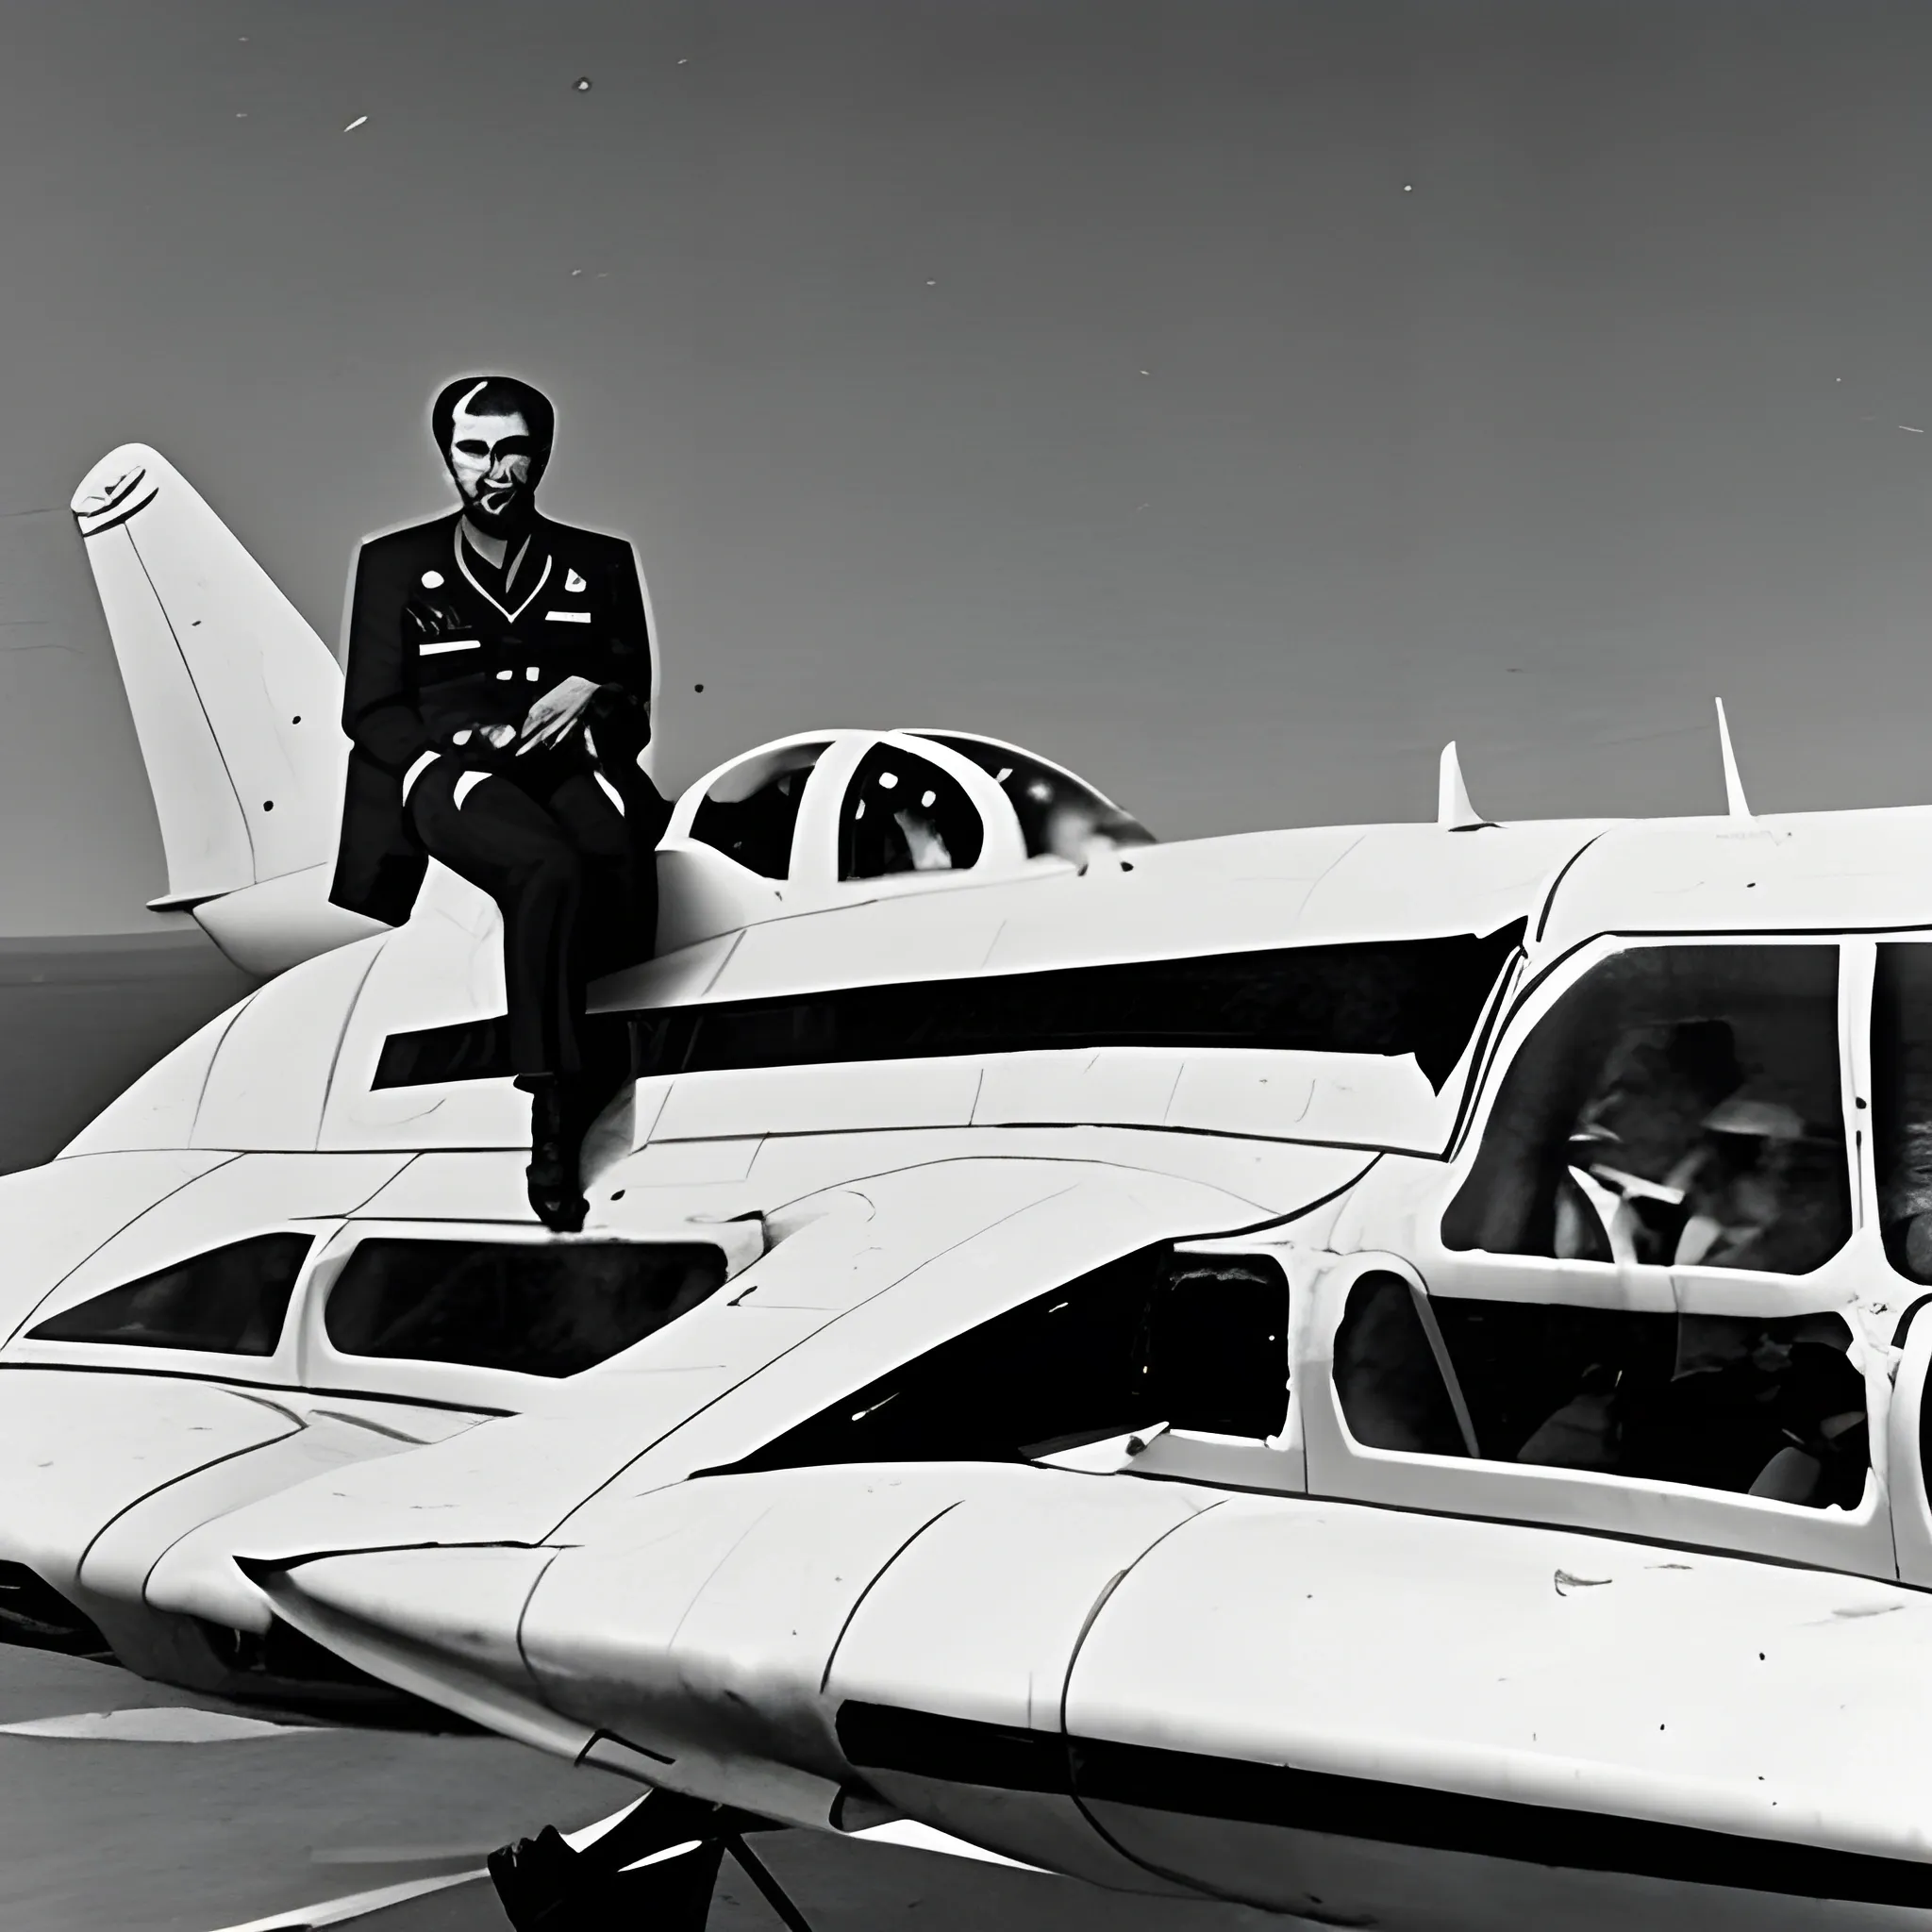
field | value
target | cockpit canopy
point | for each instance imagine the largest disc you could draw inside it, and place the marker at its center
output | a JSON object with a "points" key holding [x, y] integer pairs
{"points": [[829, 807]]}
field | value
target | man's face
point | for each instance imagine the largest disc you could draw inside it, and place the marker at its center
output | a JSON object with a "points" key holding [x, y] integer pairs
{"points": [[494, 464]]}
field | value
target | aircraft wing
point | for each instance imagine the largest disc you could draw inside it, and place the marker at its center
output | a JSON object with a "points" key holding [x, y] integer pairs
{"points": [[1311, 1709], [102, 1475], [858, 1276], [1189, 1688]]}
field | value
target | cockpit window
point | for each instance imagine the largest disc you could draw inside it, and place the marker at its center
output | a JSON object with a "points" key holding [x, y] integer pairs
{"points": [[229, 1301], [1766, 1406], [750, 812], [1058, 813], [904, 814], [1902, 1105], [1678, 1107], [535, 1308], [1388, 1372]]}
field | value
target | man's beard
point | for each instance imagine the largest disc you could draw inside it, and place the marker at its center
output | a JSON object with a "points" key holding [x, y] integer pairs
{"points": [[517, 509]]}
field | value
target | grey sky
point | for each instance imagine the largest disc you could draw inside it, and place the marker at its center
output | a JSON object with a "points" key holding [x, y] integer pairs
{"points": [[1520, 374]]}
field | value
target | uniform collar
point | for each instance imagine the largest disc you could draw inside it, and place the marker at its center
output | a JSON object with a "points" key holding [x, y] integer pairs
{"points": [[529, 562]]}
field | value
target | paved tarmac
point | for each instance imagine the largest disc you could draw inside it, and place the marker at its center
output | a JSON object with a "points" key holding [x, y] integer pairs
{"points": [[112, 1836], [227, 1826]]}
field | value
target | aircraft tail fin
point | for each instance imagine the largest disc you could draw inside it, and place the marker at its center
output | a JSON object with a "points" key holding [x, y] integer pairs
{"points": [[235, 701]]}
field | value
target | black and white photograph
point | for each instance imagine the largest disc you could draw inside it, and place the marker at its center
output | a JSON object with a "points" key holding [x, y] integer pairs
{"points": [[966, 964]]}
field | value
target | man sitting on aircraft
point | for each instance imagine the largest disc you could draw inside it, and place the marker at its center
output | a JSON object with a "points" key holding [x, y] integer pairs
{"points": [[498, 697]]}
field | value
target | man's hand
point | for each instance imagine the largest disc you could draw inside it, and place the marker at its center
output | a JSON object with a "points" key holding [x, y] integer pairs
{"points": [[555, 715]]}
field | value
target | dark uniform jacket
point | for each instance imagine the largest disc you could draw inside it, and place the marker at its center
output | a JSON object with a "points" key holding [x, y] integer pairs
{"points": [[441, 645]]}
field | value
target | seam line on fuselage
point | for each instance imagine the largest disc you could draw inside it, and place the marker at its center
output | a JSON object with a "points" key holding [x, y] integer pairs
{"points": [[873, 1582], [53, 1288], [238, 1382], [335, 1061], [1100, 1604], [208, 1072], [522, 1617], [1294, 1214], [160, 1488], [1543, 918]]}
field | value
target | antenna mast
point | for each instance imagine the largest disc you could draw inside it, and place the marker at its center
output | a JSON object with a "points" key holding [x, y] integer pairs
{"points": [[1735, 802]]}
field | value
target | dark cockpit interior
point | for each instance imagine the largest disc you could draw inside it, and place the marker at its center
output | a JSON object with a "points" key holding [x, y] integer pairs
{"points": [[1762, 1406], [1680, 1107]]}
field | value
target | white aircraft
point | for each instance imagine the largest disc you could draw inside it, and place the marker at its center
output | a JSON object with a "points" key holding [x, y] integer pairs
{"points": [[1370, 1372]]}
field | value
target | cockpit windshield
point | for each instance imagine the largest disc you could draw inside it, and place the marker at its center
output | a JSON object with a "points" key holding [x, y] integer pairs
{"points": [[751, 810], [1057, 812]]}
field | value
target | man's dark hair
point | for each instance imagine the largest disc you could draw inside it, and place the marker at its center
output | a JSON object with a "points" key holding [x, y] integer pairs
{"points": [[495, 396]]}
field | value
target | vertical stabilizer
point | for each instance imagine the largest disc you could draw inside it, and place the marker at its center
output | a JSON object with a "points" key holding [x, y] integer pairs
{"points": [[1735, 802], [1454, 812], [234, 697], [235, 702]]}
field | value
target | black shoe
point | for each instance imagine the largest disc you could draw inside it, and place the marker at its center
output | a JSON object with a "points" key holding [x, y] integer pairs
{"points": [[543, 1885], [539, 1884], [556, 1147]]}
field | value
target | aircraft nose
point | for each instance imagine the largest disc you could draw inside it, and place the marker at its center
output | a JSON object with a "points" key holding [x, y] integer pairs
{"points": [[439, 1621]]}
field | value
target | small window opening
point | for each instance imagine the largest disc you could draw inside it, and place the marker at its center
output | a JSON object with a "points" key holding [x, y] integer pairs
{"points": [[751, 812], [1678, 1107], [534, 1308], [1214, 1347], [1150, 1338], [1902, 1105], [1387, 1378], [1761, 1406], [229, 1301], [919, 818]]}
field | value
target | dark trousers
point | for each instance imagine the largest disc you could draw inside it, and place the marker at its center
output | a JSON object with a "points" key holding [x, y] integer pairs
{"points": [[554, 852]]}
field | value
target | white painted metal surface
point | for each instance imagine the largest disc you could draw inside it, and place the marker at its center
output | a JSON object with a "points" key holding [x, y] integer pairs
{"points": [[122, 1557], [77, 1450], [268, 927], [1452, 1693], [1015, 1576], [235, 703], [1799, 871], [219, 666], [269, 1076], [56, 1216], [1768, 1704], [795, 1100], [159, 1109]]}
